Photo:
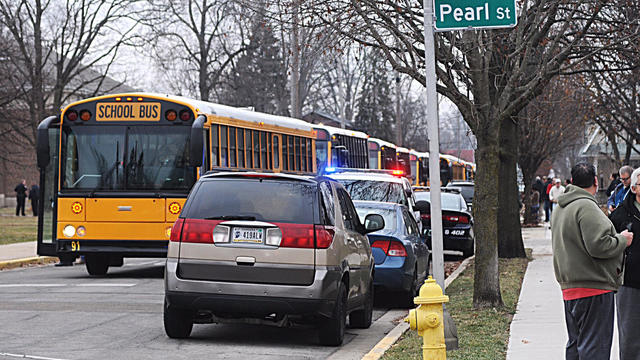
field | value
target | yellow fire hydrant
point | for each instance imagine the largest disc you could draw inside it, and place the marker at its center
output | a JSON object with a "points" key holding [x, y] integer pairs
{"points": [[427, 318]]}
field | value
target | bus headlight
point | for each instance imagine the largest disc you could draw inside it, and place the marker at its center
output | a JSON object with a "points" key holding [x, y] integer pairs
{"points": [[81, 231], [69, 231]]}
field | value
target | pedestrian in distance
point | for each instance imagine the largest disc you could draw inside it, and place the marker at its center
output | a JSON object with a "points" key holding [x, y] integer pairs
{"points": [[627, 216], [545, 197], [21, 195], [554, 193], [587, 261], [622, 189], [535, 204], [615, 180], [34, 196]]}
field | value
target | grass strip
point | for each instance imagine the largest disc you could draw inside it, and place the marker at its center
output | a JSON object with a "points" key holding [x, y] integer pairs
{"points": [[14, 229], [482, 334]]}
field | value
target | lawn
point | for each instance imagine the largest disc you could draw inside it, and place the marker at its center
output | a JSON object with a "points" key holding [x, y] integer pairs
{"points": [[15, 229], [482, 334]]}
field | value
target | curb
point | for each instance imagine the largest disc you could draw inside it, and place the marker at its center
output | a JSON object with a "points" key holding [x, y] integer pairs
{"points": [[15, 263], [383, 345]]}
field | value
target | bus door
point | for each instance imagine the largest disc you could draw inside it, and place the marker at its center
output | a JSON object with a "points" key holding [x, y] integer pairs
{"points": [[277, 152], [47, 150]]}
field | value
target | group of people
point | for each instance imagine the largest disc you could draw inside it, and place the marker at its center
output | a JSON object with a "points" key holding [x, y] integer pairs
{"points": [[596, 260], [21, 196], [545, 192]]}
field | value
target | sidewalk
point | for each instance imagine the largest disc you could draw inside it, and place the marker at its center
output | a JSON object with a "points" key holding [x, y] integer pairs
{"points": [[18, 251], [538, 328]]}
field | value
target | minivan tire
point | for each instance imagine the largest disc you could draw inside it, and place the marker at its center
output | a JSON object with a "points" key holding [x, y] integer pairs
{"points": [[332, 329], [97, 265], [361, 319], [177, 322]]}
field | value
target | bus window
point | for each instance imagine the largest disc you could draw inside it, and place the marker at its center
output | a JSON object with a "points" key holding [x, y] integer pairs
{"points": [[309, 155], [263, 150], [240, 147], [223, 146], [232, 146], [214, 145], [303, 154], [292, 162], [276, 152], [248, 145], [285, 157], [256, 149]]}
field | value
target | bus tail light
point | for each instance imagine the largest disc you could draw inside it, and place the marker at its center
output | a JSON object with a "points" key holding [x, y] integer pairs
{"points": [[72, 115]]}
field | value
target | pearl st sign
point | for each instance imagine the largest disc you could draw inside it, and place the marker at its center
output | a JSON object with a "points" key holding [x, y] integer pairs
{"points": [[474, 14]]}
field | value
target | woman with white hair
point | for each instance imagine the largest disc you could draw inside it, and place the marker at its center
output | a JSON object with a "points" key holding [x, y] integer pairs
{"points": [[627, 217]]}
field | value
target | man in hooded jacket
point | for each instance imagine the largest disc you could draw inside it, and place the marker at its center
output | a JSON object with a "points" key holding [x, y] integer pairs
{"points": [[627, 215], [587, 261]]}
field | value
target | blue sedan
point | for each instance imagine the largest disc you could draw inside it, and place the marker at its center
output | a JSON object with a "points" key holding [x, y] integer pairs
{"points": [[401, 255]]}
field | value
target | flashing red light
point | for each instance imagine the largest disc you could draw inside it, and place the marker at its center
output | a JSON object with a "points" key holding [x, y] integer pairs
{"points": [[184, 115], [85, 115], [72, 115], [398, 172]]}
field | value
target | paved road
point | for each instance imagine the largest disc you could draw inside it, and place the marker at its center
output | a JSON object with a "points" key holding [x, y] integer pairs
{"points": [[62, 313]]}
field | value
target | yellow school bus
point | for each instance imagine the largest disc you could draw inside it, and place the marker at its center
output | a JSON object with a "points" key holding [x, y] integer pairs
{"points": [[115, 170]]}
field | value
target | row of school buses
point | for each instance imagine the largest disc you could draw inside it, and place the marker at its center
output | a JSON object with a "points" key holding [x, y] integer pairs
{"points": [[115, 170]]}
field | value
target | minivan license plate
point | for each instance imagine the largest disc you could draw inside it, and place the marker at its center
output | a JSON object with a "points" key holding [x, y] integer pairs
{"points": [[247, 235]]}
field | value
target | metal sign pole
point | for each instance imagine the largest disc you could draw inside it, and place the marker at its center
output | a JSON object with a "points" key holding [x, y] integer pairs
{"points": [[437, 254]]}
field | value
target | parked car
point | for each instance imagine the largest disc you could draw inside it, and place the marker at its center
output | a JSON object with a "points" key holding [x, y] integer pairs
{"points": [[400, 253], [269, 248], [378, 185], [457, 222], [466, 189]]}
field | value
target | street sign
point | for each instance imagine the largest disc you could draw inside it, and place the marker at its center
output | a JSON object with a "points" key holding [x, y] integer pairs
{"points": [[474, 14]]}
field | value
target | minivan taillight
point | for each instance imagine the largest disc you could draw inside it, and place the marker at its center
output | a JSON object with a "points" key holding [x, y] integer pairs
{"points": [[198, 231], [176, 230], [390, 248], [324, 236], [297, 235]]}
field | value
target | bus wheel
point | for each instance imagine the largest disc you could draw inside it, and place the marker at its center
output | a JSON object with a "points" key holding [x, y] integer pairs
{"points": [[97, 265]]}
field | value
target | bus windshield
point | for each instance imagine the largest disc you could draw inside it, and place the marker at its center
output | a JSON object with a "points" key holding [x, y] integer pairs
{"points": [[126, 158]]}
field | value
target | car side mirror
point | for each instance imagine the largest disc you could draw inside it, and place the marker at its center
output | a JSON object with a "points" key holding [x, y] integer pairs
{"points": [[373, 223]]}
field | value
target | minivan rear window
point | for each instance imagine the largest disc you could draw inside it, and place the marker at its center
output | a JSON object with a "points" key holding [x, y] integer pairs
{"points": [[266, 200]]}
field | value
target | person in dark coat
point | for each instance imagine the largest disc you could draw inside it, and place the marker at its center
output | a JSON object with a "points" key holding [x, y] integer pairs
{"points": [[615, 180], [627, 216], [545, 197], [34, 196], [21, 195]]}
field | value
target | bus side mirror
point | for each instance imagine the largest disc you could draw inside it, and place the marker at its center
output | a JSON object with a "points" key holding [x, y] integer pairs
{"points": [[196, 147], [42, 141]]}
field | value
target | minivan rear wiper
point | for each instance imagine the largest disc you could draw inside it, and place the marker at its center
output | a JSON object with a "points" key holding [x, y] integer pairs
{"points": [[231, 217]]}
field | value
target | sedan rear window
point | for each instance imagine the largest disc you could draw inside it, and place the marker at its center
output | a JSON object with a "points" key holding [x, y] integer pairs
{"points": [[253, 199], [449, 201], [388, 215], [375, 191]]}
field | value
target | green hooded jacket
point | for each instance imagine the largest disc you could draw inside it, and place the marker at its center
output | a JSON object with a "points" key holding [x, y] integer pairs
{"points": [[587, 251]]}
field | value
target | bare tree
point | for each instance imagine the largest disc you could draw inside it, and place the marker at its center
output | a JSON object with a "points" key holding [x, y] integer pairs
{"points": [[63, 49], [551, 123], [490, 76], [195, 42]]}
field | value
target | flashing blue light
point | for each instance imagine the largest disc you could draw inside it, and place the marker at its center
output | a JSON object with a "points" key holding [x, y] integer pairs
{"points": [[329, 169]]}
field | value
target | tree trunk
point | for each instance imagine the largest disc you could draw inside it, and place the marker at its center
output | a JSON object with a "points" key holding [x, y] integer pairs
{"points": [[510, 243], [486, 283]]}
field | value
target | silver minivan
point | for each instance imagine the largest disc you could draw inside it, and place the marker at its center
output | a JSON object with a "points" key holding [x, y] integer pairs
{"points": [[272, 249]]}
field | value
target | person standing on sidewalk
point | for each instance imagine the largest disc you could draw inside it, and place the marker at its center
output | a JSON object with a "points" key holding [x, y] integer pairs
{"points": [[554, 193], [628, 296], [21, 195], [34, 196], [621, 191], [587, 261]]}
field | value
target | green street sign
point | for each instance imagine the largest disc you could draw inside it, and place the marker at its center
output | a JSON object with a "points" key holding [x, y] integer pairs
{"points": [[474, 14]]}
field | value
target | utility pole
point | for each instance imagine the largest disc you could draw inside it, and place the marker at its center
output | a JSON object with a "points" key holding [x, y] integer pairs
{"points": [[398, 116], [295, 63]]}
